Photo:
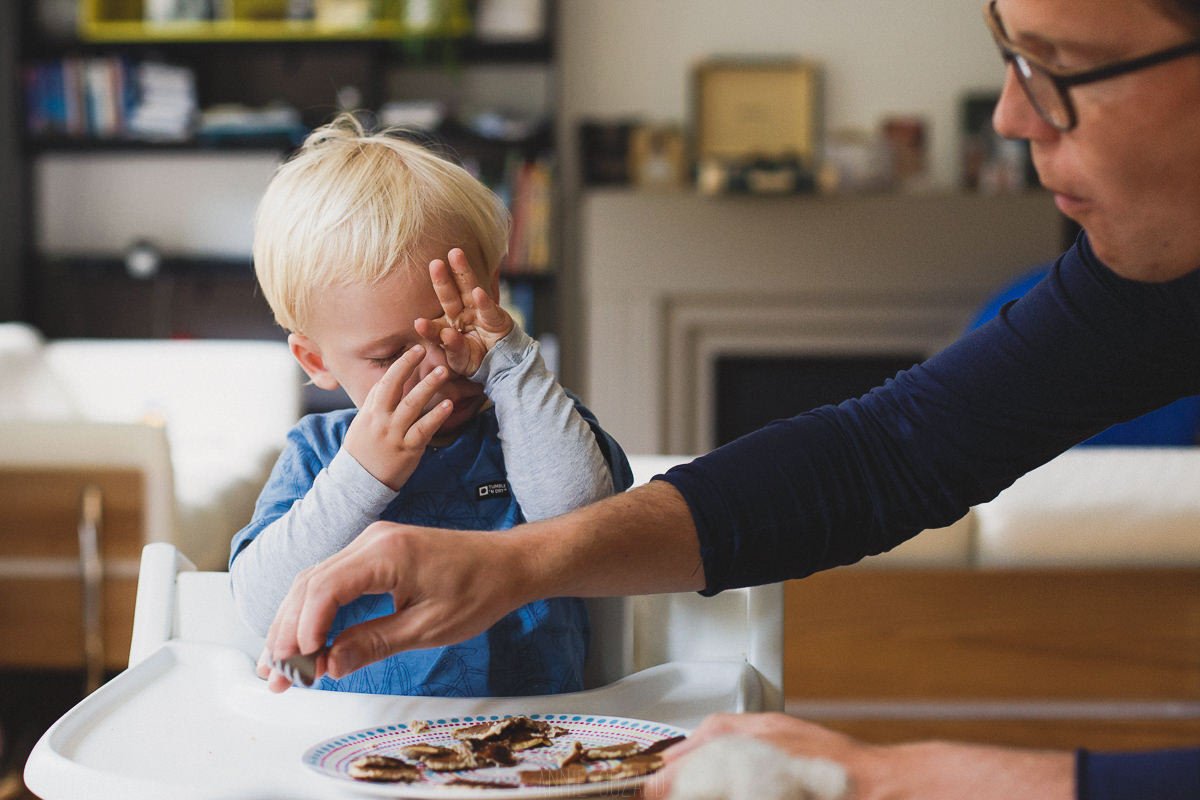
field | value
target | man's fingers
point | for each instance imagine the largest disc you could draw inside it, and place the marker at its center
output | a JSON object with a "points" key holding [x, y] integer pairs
{"points": [[276, 682], [262, 668], [378, 638], [356, 570], [281, 638]]}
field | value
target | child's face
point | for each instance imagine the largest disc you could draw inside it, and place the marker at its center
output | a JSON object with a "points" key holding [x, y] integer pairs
{"points": [[356, 332]]}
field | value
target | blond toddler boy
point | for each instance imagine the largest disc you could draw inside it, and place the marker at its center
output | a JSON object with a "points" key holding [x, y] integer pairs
{"points": [[381, 259]]}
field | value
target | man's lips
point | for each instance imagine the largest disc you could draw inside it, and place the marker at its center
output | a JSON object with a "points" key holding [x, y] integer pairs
{"points": [[1068, 203]]}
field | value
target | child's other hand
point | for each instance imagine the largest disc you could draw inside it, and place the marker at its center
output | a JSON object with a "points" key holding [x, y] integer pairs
{"points": [[472, 323], [391, 430]]}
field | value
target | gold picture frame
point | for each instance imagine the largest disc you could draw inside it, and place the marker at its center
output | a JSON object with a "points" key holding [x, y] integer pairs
{"points": [[757, 109]]}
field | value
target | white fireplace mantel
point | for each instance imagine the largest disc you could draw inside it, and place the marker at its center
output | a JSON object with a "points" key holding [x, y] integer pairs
{"points": [[672, 281]]}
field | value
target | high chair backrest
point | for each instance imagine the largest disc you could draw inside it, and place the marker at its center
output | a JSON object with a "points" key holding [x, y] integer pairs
{"points": [[174, 601]]}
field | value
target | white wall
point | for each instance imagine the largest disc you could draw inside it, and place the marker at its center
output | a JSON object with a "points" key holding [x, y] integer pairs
{"points": [[673, 281], [624, 58], [187, 203]]}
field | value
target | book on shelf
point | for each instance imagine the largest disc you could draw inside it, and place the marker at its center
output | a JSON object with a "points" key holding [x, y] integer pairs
{"points": [[106, 97], [528, 190]]}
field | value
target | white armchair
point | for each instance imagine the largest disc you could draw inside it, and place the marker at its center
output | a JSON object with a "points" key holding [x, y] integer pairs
{"points": [[225, 405]]}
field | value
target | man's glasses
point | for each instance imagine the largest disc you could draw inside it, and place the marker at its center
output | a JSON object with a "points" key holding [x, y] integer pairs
{"points": [[1049, 91]]}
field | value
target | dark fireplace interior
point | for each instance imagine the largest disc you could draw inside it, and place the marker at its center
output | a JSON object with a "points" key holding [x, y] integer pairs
{"points": [[753, 390]]}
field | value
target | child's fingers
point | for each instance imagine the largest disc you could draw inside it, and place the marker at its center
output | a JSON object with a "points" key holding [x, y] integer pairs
{"points": [[387, 392], [430, 329], [457, 350], [488, 314], [421, 432], [464, 276], [445, 285], [413, 404]]}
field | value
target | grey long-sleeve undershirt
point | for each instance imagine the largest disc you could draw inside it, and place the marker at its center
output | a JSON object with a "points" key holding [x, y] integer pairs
{"points": [[551, 456]]}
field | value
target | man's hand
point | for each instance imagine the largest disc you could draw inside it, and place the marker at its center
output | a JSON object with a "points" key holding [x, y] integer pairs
{"points": [[472, 323], [389, 433], [447, 586], [917, 771]]}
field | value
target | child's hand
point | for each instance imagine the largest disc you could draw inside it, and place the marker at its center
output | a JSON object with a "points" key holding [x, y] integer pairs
{"points": [[390, 432], [472, 323]]}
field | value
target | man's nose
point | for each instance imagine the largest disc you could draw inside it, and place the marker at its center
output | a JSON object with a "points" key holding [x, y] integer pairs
{"points": [[1014, 116]]}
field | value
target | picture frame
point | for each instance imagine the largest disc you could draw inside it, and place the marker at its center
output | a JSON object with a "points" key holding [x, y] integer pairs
{"points": [[757, 109]]}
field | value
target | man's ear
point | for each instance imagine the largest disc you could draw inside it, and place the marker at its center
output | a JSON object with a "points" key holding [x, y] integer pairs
{"points": [[308, 355]]}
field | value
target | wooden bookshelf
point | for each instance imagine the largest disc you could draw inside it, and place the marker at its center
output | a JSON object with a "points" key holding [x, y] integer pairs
{"points": [[252, 57]]}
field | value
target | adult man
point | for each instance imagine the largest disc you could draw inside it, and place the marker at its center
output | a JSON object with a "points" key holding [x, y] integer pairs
{"points": [[1108, 94]]}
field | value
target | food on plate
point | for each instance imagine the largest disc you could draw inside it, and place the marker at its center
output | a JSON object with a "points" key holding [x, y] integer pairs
{"points": [[575, 758], [495, 753], [631, 767], [423, 750], [383, 769], [459, 756], [662, 744], [563, 776], [478, 783], [618, 750], [517, 733]]}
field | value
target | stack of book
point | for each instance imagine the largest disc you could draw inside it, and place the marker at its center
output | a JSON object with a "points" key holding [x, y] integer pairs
{"points": [[106, 97], [166, 102]]}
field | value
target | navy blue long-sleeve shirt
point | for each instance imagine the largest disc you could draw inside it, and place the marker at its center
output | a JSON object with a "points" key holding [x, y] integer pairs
{"points": [[1084, 349]]}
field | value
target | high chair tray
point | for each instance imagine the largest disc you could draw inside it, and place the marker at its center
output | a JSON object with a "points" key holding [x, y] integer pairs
{"points": [[193, 721]]}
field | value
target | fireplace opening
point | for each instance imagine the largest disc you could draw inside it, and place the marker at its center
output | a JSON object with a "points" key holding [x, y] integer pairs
{"points": [[754, 390]]}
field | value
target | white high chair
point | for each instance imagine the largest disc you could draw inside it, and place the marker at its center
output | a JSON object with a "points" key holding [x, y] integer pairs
{"points": [[189, 718]]}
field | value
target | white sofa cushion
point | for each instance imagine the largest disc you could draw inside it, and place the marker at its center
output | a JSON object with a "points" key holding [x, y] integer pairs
{"points": [[1097, 507], [30, 389], [226, 405]]}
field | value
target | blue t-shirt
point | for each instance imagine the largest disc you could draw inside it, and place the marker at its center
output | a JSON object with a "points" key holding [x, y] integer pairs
{"points": [[537, 649]]}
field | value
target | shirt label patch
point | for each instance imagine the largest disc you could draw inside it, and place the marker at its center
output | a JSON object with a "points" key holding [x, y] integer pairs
{"points": [[485, 491]]}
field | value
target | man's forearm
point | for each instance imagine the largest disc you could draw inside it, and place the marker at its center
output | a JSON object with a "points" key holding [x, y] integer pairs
{"points": [[640, 542]]}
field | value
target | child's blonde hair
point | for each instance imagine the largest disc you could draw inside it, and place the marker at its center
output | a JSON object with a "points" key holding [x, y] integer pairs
{"points": [[351, 206]]}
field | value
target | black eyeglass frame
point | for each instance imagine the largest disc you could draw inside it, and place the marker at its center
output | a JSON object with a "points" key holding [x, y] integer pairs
{"points": [[1063, 81]]}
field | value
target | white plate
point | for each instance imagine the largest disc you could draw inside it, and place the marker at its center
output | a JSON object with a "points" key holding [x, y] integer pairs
{"points": [[333, 756]]}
